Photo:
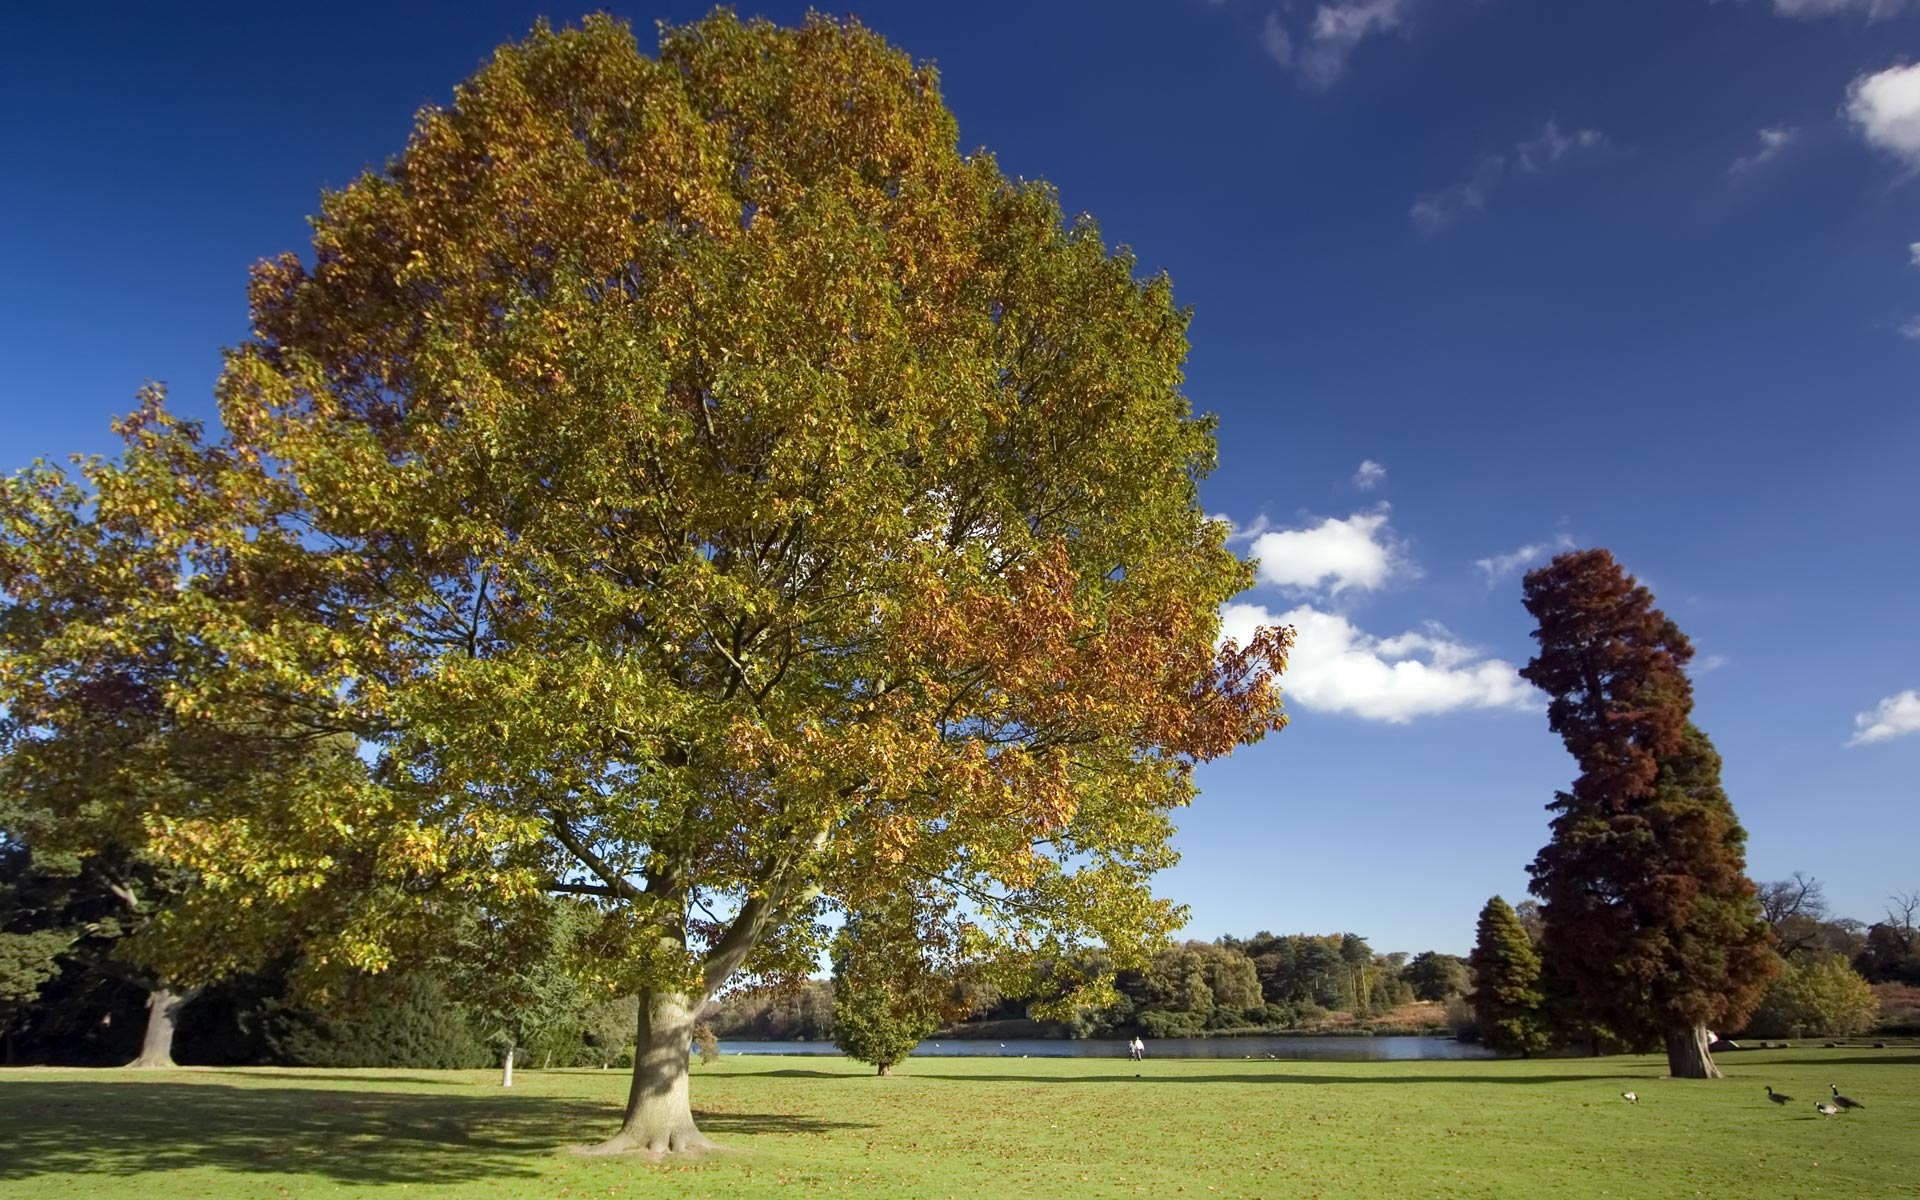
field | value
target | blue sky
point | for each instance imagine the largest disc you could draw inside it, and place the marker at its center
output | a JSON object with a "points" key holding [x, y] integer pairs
{"points": [[1639, 274]]}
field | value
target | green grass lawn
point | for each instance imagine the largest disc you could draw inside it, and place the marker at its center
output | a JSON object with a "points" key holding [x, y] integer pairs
{"points": [[985, 1128]]}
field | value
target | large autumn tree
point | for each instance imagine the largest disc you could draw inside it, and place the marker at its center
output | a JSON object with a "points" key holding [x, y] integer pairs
{"points": [[101, 751], [712, 494], [1647, 904]]}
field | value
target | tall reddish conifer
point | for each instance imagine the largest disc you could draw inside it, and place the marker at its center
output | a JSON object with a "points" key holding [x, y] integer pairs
{"points": [[1648, 907]]}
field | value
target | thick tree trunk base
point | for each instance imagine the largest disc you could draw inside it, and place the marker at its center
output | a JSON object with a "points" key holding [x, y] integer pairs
{"points": [[658, 1120], [163, 1015], [687, 1142], [1688, 1057], [886, 1071]]}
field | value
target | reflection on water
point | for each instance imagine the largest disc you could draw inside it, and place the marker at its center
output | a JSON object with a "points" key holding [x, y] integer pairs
{"points": [[1325, 1049]]}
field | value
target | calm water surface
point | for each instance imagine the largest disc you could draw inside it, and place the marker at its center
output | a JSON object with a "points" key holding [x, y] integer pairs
{"points": [[1326, 1049]]}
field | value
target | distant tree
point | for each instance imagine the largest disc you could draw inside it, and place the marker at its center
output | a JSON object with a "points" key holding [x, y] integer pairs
{"points": [[1530, 920], [1891, 953], [1796, 910], [1648, 908], [894, 976], [1437, 977], [400, 1019], [1815, 995], [1506, 983]]}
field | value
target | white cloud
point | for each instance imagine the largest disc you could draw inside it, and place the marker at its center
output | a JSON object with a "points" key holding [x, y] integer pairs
{"points": [[1338, 555], [1274, 40], [1913, 249], [1337, 667], [1321, 48], [1442, 209], [1885, 107], [1911, 330], [1498, 566], [1551, 146], [1369, 475], [1712, 662], [1870, 9], [1896, 716], [1243, 533], [1338, 30], [1773, 142]]}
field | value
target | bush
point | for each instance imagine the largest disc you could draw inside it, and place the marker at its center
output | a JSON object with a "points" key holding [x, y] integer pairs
{"points": [[1462, 1020], [1177, 1023], [1817, 996], [387, 1021]]}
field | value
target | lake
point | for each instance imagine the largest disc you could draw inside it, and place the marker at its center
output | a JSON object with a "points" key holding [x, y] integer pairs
{"points": [[1324, 1049]]}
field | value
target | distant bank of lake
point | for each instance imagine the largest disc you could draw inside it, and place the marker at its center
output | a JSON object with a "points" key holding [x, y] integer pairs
{"points": [[1325, 1049]]}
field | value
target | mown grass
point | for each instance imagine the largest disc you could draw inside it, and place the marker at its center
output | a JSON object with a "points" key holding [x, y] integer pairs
{"points": [[985, 1128]]}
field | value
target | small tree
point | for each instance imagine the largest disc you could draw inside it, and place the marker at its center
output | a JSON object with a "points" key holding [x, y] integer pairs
{"points": [[1506, 983], [1815, 994], [1648, 908], [895, 975], [1437, 977]]}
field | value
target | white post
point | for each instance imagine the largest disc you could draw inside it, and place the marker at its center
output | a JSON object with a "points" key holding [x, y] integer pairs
{"points": [[506, 1069]]}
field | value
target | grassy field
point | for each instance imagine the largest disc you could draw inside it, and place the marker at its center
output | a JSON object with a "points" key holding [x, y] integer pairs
{"points": [[986, 1128]]}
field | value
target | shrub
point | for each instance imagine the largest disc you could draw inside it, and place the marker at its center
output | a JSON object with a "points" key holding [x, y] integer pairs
{"points": [[385, 1021], [1817, 996]]}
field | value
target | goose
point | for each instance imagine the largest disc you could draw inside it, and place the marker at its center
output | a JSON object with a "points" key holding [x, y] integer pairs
{"points": [[1777, 1097], [1825, 1109], [1630, 1097], [1843, 1101]]}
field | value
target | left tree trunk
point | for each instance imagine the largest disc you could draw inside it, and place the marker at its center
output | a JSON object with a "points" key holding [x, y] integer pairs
{"points": [[1688, 1057], [886, 1070], [659, 1120], [163, 1017]]}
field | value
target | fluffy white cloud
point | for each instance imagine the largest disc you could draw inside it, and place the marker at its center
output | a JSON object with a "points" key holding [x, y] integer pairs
{"points": [[1498, 566], [1357, 552], [1369, 475], [1773, 142], [1870, 9], [1885, 108], [1439, 210], [1896, 716], [1911, 330], [1337, 667], [1913, 251]]}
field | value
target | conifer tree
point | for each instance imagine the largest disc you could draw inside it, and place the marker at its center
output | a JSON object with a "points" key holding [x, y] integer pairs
{"points": [[1648, 908], [1507, 998]]}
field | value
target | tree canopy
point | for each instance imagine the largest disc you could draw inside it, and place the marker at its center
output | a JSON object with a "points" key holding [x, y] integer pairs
{"points": [[701, 489]]}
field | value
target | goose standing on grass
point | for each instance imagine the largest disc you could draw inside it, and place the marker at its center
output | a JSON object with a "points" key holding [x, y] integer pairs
{"points": [[1630, 1097], [1843, 1101], [1778, 1097], [1824, 1109]]}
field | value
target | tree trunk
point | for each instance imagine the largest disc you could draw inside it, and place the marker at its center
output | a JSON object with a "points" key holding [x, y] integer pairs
{"points": [[506, 1068], [659, 1119], [886, 1070], [163, 1015], [1687, 1055]]}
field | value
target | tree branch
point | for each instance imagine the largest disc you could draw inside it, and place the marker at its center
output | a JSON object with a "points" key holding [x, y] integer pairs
{"points": [[619, 885]]}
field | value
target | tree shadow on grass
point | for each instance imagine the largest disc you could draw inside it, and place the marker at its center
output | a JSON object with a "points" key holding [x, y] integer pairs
{"points": [[128, 1128], [1294, 1078]]}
